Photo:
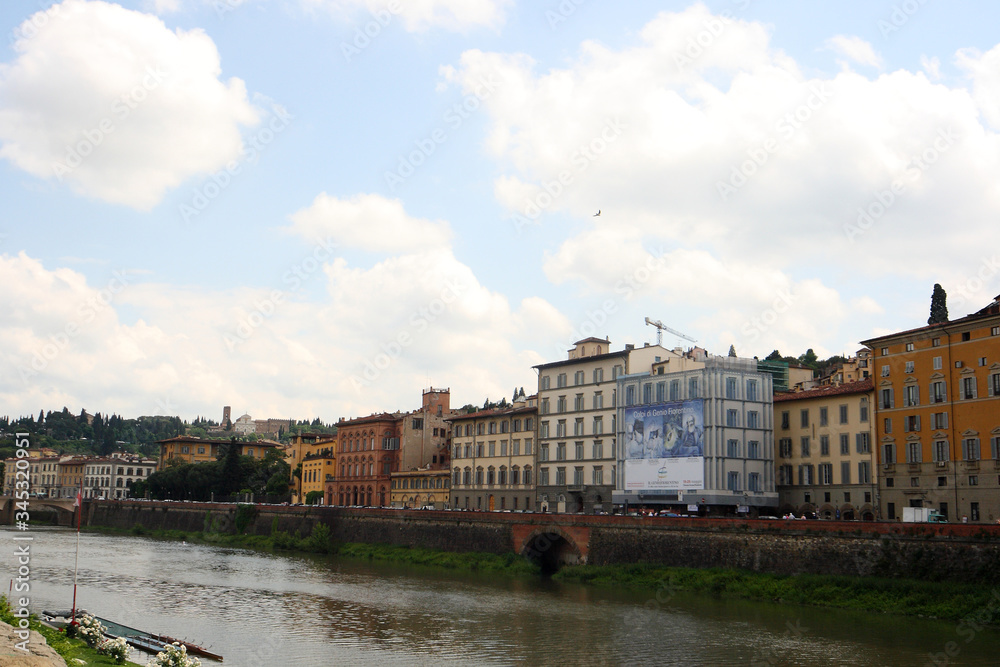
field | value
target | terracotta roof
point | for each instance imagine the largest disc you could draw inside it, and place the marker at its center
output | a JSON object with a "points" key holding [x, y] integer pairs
{"points": [[494, 412], [859, 387]]}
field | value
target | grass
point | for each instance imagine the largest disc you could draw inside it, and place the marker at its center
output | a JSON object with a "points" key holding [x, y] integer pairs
{"points": [[70, 649], [904, 597]]}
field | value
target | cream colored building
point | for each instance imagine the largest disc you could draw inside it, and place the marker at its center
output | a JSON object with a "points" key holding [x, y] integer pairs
{"points": [[825, 459], [493, 458]]}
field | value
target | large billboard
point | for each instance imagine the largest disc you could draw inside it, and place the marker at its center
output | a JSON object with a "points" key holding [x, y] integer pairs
{"points": [[664, 446]]}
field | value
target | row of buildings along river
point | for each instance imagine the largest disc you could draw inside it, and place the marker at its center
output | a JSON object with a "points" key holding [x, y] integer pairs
{"points": [[913, 420]]}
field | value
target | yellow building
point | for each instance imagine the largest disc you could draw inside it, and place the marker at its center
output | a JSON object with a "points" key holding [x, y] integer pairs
{"points": [[189, 449], [937, 409], [316, 452], [421, 488], [70, 476], [825, 462]]}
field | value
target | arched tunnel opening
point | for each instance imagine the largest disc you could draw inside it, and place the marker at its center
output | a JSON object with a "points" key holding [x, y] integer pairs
{"points": [[551, 551]]}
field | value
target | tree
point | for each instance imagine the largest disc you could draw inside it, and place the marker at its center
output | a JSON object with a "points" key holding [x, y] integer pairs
{"points": [[939, 306], [232, 479], [774, 356], [732, 350], [808, 359]]}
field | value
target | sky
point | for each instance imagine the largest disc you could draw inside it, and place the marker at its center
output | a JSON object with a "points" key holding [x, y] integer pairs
{"points": [[318, 208]]}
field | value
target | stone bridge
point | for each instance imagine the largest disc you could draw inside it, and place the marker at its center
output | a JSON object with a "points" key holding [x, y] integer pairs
{"points": [[65, 511]]}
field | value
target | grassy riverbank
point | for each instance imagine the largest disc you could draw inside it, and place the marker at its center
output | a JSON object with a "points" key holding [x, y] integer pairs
{"points": [[72, 650], [904, 597]]}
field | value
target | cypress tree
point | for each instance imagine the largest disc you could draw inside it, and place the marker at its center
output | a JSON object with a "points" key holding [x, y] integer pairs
{"points": [[939, 306]]}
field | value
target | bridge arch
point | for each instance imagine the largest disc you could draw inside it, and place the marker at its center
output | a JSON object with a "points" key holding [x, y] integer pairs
{"points": [[552, 548]]}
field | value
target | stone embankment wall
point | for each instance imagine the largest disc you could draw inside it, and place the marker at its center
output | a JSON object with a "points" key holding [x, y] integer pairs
{"points": [[954, 552]]}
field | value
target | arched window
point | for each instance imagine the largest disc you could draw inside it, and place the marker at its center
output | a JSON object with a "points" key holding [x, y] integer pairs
{"points": [[479, 475], [527, 476], [503, 475], [515, 475], [457, 478], [467, 476]]}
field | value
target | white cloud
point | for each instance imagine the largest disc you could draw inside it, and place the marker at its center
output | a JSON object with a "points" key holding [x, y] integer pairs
{"points": [[755, 175], [422, 15], [369, 222], [855, 49], [116, 105]]}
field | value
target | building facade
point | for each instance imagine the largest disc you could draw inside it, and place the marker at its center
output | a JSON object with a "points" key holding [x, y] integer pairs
{"points": [[697, 436], [937, 417], [417, 489], [188, 449], [367, 457], [825, 460], [425, 434], [126, 471], [493, 458]]}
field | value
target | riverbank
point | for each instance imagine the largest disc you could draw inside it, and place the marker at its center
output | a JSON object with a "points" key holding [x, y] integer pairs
{"points": [[901, 597], [48, 644]]}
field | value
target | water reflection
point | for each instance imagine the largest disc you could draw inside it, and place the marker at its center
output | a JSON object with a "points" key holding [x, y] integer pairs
{"points": [[258, 609]]}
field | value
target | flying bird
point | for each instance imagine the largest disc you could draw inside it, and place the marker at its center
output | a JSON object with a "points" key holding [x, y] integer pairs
{"points": [[598, 213]]}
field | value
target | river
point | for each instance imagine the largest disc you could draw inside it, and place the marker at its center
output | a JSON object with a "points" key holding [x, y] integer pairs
{"points": [[260, 609]]}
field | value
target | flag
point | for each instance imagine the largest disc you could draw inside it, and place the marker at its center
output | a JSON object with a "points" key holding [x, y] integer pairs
{"points": [[79, 498]]}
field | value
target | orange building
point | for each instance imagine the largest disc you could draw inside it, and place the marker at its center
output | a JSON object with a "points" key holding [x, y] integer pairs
{"points": [[317, 454], [195, 450], [937, 409]]}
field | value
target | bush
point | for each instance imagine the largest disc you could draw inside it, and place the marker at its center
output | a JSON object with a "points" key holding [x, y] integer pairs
{"points": [[116, 649], [91, 630], [174, 655]]}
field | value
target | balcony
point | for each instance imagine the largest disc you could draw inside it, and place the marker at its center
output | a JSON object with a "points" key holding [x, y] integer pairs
{"points": [[971, 465], [575, 488]]}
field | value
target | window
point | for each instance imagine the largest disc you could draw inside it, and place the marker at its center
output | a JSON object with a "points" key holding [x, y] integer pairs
{"points": [[730, 387], [675, 390], [824, 445], [843, 414], [805, 446], [731, 418], [939, 420], [909, 366], [913, 454], [784, 420], [804, 418], [598, 476], [973, 480], [493, 448], [993, 384], [692, 388], [544, 382], [630, 395], [938, 392], [543, 476], [751, 390], [616, 371], [578, 426], [543, 430], [885, 370], [561, 451], [661, 392], [733, 448], [940, 448], [911, 423], [974, 509], [909, 347], [579, 451], [942, 481], [826, 473], [886, 398], [885, 351], [598, 450], [845, 472], [560, 476], [888, 453], [527, 476], [785, 448], [578, 378], [785, 475], [935, 342], [578, 402], [822, 416], [937, 363], [753, 482], [578, 476], [753, 419], [561, 428], [753, 449], [995, 331], [598, 400], [598, 375], [806, 475], [543, 452], [966, 335], [561, 380], [561, 404], [647, 393], [527, 446], [733, 481], [544, 408], [911, 395], [864, 473], [417, 424], [845, 444], [970, 449]]}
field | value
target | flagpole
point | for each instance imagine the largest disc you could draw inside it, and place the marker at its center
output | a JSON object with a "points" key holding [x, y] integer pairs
{"points": [[76, 565]]}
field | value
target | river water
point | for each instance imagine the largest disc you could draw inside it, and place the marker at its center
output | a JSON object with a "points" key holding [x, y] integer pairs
{"points": [[259, 609]]}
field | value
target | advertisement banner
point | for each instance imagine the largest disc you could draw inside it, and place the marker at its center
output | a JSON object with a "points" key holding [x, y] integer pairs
{"points": [[664, 446]]}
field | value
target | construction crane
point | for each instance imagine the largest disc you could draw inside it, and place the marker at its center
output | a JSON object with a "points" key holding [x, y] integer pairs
{"points": [[660, 328]]}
